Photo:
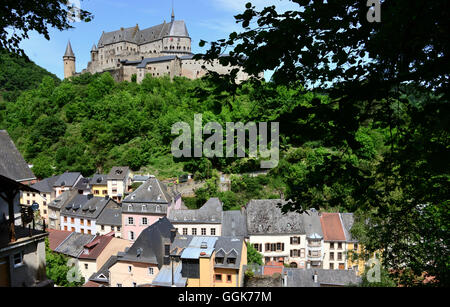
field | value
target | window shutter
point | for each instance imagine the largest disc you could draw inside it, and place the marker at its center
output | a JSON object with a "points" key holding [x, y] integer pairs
{"points": [[282, 247], [291, 239]]}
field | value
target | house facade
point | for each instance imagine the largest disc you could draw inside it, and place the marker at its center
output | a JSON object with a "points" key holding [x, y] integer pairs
{"points": [[99, 185], [145, 206], [80, 213], [118, 182]]}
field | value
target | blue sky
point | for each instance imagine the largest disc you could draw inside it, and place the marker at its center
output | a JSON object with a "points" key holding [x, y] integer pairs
{"points": [[206, 19]]}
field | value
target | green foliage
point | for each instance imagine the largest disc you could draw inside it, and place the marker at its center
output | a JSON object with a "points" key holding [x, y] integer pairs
{"points": [[57, 268], [253, 256], [18, 74]]}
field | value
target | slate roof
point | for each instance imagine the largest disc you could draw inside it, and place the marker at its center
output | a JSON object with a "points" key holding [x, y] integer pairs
{"points": [[67, 179], [209, 213], [83, 184], [149, 246], [229, 247], [332, 227], [111, 215], [74, 244], [164, 277], [152, 194], [313, 227], [140, 178], [46, 185], [118, 173], [69, 51], [141, 37], [99, 179], [304, 277], [95, 247], [347, 220], [164, 58], [199, 245], [84, 206], [265, 217], [234, 224], [62, 199], [12, 163]]}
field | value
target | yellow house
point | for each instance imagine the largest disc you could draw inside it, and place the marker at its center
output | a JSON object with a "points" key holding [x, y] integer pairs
{"points": [[99, 185], [212, 261]]}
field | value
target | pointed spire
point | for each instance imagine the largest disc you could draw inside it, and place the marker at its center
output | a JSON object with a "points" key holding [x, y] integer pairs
{"points": [[173, 13], [69, 52], [94, 48]]}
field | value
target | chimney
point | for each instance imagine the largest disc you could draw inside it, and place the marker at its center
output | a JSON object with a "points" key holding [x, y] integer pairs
{"points": [[315, 277], [173, 233]]}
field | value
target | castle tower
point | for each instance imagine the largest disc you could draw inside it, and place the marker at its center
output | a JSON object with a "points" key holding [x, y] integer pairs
{"points": [[69, 62]]}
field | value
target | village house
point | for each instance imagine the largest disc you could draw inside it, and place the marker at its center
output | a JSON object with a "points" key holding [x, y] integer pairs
{"points": [[99, 185], [66, 182], [54, 208], [83, 186], [110, 219], [209, 220], [335, 241], [142, 262], [118, 182], [145, 206], [46, 195], [80, 213]]}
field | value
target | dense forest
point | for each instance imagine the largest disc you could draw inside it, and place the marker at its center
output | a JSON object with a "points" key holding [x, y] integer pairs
{"points": [[18, 73]]}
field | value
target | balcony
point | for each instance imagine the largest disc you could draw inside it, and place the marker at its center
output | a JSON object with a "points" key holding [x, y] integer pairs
{"points": [[314, 256]]}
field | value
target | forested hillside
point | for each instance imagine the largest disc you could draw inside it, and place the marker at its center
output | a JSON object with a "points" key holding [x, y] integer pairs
{"points": [[18, 74]]}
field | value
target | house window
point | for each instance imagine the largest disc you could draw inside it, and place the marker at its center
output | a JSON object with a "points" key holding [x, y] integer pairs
{"points": [[339, 245], [231, 260], [65, 219], [130, 221], [194, 231], [89, 222], [331, 245], [228, 278], [82, 222], [129, 268], [295, 240], [331, 266], [150, 271], [144, 221], [112, 228], [18, 260], [89, 232], [203, 231], [331, 256], [213, 231], [355, 247], [219, 260], [119, 285], [72, 220], [118, 228], [218, 277], [73, 229], [339, 256], [131, 236], [86, 266], [185, 231], [134, 285], [102, 227]]}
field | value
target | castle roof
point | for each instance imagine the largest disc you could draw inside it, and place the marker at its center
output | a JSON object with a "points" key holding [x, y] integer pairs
{"points": [[69, 52], [140, 37]]}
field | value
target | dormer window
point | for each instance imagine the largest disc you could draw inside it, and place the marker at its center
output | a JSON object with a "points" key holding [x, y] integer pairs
{"points": [[144, 208], [231, 260], [158, 208], [130, 208], [219, 260]]}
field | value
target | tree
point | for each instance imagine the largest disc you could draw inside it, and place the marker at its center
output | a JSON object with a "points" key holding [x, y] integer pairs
{"points": [[253, 256], [57, 268], [23, 16], [390, 78], [42, 167]]}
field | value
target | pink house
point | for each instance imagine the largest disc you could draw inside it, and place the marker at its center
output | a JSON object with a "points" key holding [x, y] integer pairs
{"points": [[145, 206]]}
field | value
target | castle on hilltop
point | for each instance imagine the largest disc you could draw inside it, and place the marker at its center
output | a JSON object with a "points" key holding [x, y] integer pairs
{"points": [[162, 50]]}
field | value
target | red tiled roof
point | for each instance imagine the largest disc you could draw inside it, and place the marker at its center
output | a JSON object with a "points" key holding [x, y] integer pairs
{"points": [[332, 227], [92, 284], [97, 246], [56, 237]]}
